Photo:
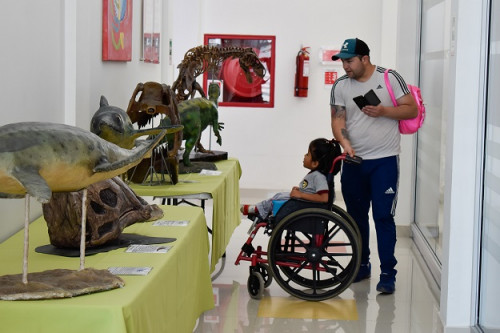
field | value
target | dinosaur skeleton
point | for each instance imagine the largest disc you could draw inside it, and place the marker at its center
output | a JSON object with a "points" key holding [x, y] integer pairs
{"points": [[203, 58], [151, 98]]}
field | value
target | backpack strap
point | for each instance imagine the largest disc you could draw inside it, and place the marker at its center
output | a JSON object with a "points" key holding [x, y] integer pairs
{"points": [[389, 88]]}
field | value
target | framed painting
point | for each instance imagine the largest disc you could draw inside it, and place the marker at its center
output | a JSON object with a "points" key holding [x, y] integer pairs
{"points": [[117, 30], [237, 87], [151, 26]]}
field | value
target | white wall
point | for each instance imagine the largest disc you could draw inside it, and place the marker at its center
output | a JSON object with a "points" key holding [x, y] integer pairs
{"points": [[94, 77], [408, 32], [31, 79]]}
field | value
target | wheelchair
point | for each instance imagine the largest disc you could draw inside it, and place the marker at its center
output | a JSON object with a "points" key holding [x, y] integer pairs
{"points": [[314, 250]]}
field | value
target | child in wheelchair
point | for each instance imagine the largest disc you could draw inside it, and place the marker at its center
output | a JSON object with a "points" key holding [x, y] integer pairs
{"points": [[314, 187], [314, 246]]}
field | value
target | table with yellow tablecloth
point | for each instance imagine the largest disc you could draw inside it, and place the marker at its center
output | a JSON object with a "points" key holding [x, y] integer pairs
{"points": [[223, 189], [169, 299]]}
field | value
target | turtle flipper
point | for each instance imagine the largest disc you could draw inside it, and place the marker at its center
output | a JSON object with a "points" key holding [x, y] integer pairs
{"points": [[34, 184]]}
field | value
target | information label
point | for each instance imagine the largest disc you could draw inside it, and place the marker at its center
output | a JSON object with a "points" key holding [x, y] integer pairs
{"points": [[130, 270], [141, 248], [167, 223]]}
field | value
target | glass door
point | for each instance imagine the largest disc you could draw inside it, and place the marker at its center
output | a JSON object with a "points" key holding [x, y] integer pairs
{"points": [[429, 187], [489, 286]]}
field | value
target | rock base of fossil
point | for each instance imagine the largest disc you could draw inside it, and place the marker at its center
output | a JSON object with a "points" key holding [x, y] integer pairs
{"points": [[57, 283]]}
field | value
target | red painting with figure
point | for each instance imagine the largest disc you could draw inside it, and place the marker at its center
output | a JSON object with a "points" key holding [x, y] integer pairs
{"points": [[117, 30]]}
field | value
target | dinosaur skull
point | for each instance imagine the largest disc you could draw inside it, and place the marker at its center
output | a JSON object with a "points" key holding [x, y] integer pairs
{"points": [[111, 207], [250, 60]]}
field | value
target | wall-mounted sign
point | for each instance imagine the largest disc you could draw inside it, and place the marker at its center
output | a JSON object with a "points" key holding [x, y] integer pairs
{"points": [[326, 53]]}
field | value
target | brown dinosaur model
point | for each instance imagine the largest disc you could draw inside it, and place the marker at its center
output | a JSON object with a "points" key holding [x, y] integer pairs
{"points": [[148, 100], [204, 58]]}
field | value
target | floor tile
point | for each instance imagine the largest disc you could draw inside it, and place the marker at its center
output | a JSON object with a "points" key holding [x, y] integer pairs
{"points": [[411, 309]]}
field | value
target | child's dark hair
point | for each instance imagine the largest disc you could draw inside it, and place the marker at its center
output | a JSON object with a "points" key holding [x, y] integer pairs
{"points": [[324, 151]]}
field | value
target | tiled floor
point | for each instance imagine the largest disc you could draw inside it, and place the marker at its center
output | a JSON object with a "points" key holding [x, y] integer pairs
{"points": [[412, 308]]}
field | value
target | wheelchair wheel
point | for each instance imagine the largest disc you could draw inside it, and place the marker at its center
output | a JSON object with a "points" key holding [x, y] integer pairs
{"points": [[314, 254], [255, 285], [342, 213], [265, 272]]}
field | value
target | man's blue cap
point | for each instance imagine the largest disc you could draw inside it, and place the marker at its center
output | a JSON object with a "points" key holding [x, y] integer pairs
{"points": [[351, 48]]}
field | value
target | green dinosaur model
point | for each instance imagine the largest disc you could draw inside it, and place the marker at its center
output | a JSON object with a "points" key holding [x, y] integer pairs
{"points": [[196, 114]]}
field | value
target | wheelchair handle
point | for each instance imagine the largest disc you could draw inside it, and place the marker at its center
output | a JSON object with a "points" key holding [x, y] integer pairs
{"points": [[347, 158], [354, 159]]}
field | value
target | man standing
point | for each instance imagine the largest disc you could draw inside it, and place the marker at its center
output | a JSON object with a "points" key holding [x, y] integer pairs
{"points": [[370, 132]]}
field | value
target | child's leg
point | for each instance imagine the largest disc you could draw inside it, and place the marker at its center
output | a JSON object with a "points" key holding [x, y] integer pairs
{"points": [[265, 207]]}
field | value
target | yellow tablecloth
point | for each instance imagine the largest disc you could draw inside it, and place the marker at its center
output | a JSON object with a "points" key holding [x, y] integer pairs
{"points": [[169, 299], [225, 192]]}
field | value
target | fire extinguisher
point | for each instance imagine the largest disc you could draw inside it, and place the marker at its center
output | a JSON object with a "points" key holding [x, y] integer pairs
{"points": [[302, 73]]}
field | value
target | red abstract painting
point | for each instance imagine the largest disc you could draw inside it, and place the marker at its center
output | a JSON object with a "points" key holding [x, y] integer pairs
{"points": [[117, 30]]}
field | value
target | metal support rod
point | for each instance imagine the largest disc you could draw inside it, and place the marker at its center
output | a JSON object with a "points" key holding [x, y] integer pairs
{"points": [[83, 229], [26, 237]]}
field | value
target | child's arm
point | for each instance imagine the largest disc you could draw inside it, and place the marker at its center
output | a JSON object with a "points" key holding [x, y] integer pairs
{"points": [[315, 197]]}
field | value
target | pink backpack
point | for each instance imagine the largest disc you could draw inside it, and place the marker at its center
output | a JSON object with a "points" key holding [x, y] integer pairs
{"points": [[408, 126]]}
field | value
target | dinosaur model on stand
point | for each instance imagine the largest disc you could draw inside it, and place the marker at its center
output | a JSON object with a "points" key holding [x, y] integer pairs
{"points": [[203, 58], [38, 159], [149, 100], [196, 115]]}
